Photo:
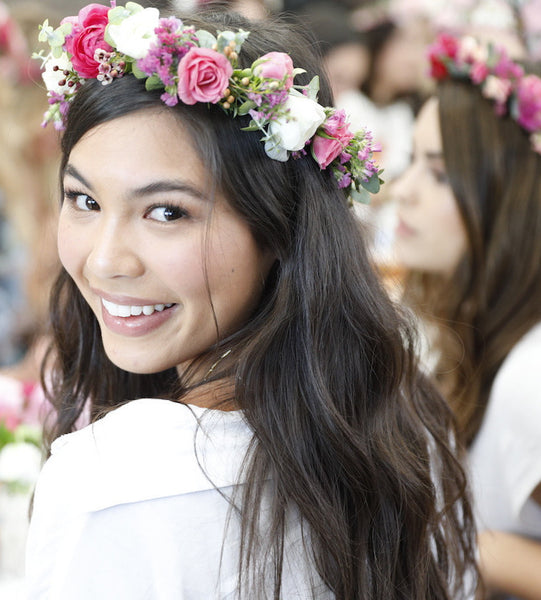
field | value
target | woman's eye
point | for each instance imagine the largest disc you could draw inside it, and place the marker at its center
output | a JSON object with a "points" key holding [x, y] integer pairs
{"points": [[82, 201], [440, 176], [166, 213]]}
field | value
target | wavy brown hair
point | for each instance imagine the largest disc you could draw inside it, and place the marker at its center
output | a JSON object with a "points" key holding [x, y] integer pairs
{"points": [[494, 296], [346, 428]]}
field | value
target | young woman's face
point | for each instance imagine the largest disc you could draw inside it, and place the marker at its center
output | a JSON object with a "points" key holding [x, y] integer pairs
{"points": [[430, 235], [155, 258]]}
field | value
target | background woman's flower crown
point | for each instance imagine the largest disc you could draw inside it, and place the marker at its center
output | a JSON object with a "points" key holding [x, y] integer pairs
{"points": [[500, 79], [195, 66]]}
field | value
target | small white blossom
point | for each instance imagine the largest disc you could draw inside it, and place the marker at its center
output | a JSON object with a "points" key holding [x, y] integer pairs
{"points": [[53, 73], [135, 34]]}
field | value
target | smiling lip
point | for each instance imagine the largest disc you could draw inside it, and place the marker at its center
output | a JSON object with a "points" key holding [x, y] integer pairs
{"points": [[402, 229], [134, 325]]}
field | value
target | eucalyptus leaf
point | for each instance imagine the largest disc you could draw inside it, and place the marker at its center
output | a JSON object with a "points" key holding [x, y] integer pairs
{"points": [[206, 39], [363, 196], [313, 88], [373, 184]]}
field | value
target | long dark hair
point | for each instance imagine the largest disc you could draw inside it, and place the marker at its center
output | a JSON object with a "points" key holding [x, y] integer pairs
{"points": [[494, 296], [345, 427]]}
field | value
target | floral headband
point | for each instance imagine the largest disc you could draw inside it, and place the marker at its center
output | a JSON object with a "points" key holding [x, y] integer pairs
{"points": [[195, 66], [499, 78]]}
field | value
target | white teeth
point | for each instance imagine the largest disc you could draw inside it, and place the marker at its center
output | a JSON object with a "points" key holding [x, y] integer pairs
{"points": [[125, 310]]}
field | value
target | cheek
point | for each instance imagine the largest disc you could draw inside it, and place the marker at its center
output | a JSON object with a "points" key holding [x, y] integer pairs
{"points": [[70, 246]]}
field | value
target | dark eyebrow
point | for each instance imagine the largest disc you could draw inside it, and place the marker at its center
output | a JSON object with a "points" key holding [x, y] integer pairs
{"points": [[167, 185], [156, 187], [71, 170]]}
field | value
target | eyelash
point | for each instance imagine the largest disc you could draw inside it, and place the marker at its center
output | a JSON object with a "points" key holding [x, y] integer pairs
{"points": [[440, 176], [73, 195], [178, 212]]}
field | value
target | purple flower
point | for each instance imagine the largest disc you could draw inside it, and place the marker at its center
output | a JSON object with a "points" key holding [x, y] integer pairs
{"points": [[169, 99], [344, 181]]}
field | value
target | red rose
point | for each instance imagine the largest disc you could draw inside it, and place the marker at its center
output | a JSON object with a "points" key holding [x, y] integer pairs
{"points": [[203, 76], [86, 37], [437, 69], [445, 47]]}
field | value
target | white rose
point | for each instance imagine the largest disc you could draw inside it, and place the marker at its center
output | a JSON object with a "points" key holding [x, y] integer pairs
{"points": [[52, 77], [294, 129], [135, 34]]}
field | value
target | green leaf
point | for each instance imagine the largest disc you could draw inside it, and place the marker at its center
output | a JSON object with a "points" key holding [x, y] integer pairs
{"points": [[253, 126], [363, 196], [224, 37], [137, 71], [373, 184], [205, 38], [313, 88], [246, 107], [6, 436], [153, 83]]}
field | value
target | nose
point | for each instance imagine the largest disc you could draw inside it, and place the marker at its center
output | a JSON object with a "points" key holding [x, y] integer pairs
{"points": [[404, 187], [114, 252]]}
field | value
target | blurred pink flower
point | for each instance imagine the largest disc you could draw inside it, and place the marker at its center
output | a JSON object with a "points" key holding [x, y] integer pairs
{"points": [[529, 102]]}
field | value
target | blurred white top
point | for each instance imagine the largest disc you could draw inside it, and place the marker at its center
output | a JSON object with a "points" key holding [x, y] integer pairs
{"points": [[505, 458], [136, 506]]}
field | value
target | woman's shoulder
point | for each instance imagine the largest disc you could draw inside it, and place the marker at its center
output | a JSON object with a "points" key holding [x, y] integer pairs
{"points": [[150, 448], [523, 363], [516, 391]]}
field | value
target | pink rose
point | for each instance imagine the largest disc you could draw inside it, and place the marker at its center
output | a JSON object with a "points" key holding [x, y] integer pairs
{"points": [[326, 149], [478, 72], [529, 103], [336, 125], [203, 76], [275, 65], [506, 68], [86, 37]]}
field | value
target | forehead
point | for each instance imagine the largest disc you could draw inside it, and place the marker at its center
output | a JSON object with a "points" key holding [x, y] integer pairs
{"points": [[143, 142], [427, 134]]}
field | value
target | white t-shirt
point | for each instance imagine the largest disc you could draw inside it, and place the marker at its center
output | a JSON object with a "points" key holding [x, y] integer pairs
{"points": [[124, 510], [505, 458]]}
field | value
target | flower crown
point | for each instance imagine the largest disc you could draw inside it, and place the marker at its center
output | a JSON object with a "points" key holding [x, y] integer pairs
{"points": [[195, 66], [499, 78]]}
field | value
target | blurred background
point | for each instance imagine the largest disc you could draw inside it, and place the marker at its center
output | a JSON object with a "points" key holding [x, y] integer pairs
{"points": [[375, 56]]}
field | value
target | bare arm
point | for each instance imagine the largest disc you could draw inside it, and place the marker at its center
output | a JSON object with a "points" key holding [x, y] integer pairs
{"points": [[511, 563]]}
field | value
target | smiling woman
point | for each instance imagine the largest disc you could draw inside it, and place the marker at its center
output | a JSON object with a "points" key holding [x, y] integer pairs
{"points": [[137, 237], [260, 428]]}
